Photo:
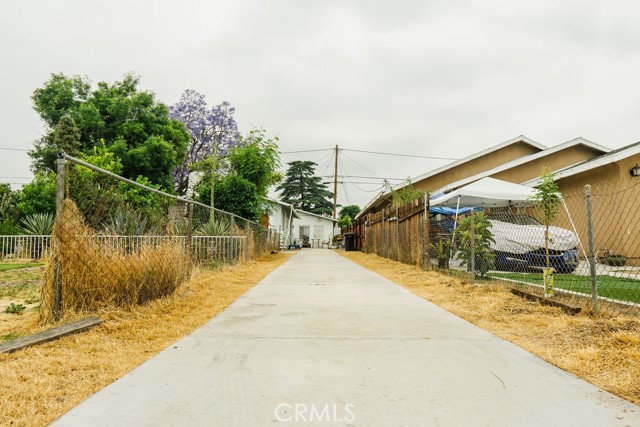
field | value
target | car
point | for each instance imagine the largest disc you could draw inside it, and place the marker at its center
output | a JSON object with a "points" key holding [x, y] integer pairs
{"points": [[520, 244]]}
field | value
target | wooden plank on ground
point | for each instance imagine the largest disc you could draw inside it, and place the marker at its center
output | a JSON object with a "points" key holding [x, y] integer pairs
{"points": [[546, 301], [50, 334]]}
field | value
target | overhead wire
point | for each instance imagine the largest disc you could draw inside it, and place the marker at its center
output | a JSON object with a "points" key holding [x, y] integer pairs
{"points": [[416, 156], [14, 149], [344, 187], [365, 177], [306, 151]]}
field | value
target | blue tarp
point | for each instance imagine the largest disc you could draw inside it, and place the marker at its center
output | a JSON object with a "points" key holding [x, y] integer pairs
{"points": [[448, 211]]}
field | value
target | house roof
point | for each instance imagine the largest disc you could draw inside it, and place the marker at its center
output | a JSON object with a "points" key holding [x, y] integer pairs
{"points": [[287, 205], [319, 216], [298, 211], [587, 165], [522, 160], [520, 138]]}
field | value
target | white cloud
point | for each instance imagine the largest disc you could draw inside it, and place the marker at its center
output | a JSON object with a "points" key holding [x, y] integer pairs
{"points": [[443, 78]]}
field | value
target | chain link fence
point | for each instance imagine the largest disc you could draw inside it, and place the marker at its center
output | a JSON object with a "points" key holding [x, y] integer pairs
{"points": [[591, 257], [121, 242]]}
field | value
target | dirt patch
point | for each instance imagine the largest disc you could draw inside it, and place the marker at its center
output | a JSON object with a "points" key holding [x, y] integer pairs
{"points": [[41, 383], [19, 286], [602, 350]]}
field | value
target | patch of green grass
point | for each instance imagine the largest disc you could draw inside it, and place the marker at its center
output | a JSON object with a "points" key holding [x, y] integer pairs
{"points": [[11, 336], [24, 290], [13, 266], [619, 288]]}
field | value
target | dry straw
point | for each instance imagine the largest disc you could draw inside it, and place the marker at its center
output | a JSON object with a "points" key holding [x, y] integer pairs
{"points": [[96, 273]]}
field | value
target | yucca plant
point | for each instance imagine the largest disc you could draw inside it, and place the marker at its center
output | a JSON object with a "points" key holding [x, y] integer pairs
{"points": [[214, 228], [126, 224], [180, 227], [39, 224]]}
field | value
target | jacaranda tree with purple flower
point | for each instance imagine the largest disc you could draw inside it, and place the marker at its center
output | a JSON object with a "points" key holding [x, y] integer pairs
{"points": [[214, 131]]}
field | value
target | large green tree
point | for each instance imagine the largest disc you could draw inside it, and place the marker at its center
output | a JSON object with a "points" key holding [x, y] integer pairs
{"points": [[351, 210], [251, 167], [304, 190], [130, 122], [257, 159], [233, 194]]}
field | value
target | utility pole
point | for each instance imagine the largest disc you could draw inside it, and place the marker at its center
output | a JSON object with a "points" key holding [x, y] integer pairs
{"points": [[335, 184]]}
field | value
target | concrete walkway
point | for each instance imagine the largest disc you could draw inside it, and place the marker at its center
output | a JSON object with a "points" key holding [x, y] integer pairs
{"points": [[328, 343]]}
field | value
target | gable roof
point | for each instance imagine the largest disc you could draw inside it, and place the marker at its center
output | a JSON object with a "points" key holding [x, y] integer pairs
{"points": [[520, 138], [298, 211], [522, 160], [587, 165], [316, 215], [281, 203]]}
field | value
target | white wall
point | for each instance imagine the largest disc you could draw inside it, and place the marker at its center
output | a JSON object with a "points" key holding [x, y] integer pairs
{"points": [[319, 227]]}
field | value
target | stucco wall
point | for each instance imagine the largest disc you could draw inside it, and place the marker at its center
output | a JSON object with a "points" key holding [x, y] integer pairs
{"points": [[319, 228], [616, 207], [475, 166], [555, 161]]}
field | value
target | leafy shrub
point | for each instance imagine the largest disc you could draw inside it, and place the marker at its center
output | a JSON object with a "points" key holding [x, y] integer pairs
{"points": [[484, 257]]}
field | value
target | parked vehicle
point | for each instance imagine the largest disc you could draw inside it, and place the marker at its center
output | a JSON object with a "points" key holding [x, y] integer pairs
{"points": [[520, 244]]}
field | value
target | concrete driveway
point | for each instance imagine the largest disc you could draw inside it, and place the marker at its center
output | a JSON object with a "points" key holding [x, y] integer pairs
{"points": [[324, 342]]}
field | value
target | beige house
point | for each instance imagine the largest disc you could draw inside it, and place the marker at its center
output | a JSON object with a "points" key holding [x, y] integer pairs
{"points": [[516, 160], [616, 200]]}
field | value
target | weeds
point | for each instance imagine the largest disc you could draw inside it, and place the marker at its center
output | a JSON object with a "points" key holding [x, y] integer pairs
{"points": [[14, 308], [11, 336]]}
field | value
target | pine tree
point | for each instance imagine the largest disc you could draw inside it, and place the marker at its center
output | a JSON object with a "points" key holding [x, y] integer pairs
{"points": [[304, 190]]}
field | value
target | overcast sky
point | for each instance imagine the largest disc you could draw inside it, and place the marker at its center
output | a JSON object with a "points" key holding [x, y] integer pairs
{"points": [[433, 78]]}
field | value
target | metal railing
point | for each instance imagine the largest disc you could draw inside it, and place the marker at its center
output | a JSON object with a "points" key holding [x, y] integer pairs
{"points": [[23, 247]]}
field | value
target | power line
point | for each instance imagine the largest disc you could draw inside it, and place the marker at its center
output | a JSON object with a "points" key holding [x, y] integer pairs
{"points": [[344, 186], [380, 153], [15, 177], [363, 167], [417, 156], [14, 149], [366, 177], [306, 151]]}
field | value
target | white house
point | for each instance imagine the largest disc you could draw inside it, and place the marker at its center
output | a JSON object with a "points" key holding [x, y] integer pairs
{"points": [[314, 229], [280, 218], [299, 227]]}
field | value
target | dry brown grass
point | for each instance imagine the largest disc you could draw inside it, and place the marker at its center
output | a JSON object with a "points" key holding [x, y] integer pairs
{"points": [[602, 350], [95, 274], [41, 383]]}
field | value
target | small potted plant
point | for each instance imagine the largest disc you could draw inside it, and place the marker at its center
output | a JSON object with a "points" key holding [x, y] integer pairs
{"points": [[443, 252]]}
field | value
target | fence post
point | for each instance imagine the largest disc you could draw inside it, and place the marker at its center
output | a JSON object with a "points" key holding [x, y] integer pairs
{"points": [[57, 279], [190, 229], [425, 237], [397, 233], [592, 250], [472, 233]]}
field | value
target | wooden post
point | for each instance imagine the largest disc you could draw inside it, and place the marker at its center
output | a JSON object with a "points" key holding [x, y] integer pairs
{"points": [[425, 232]]}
